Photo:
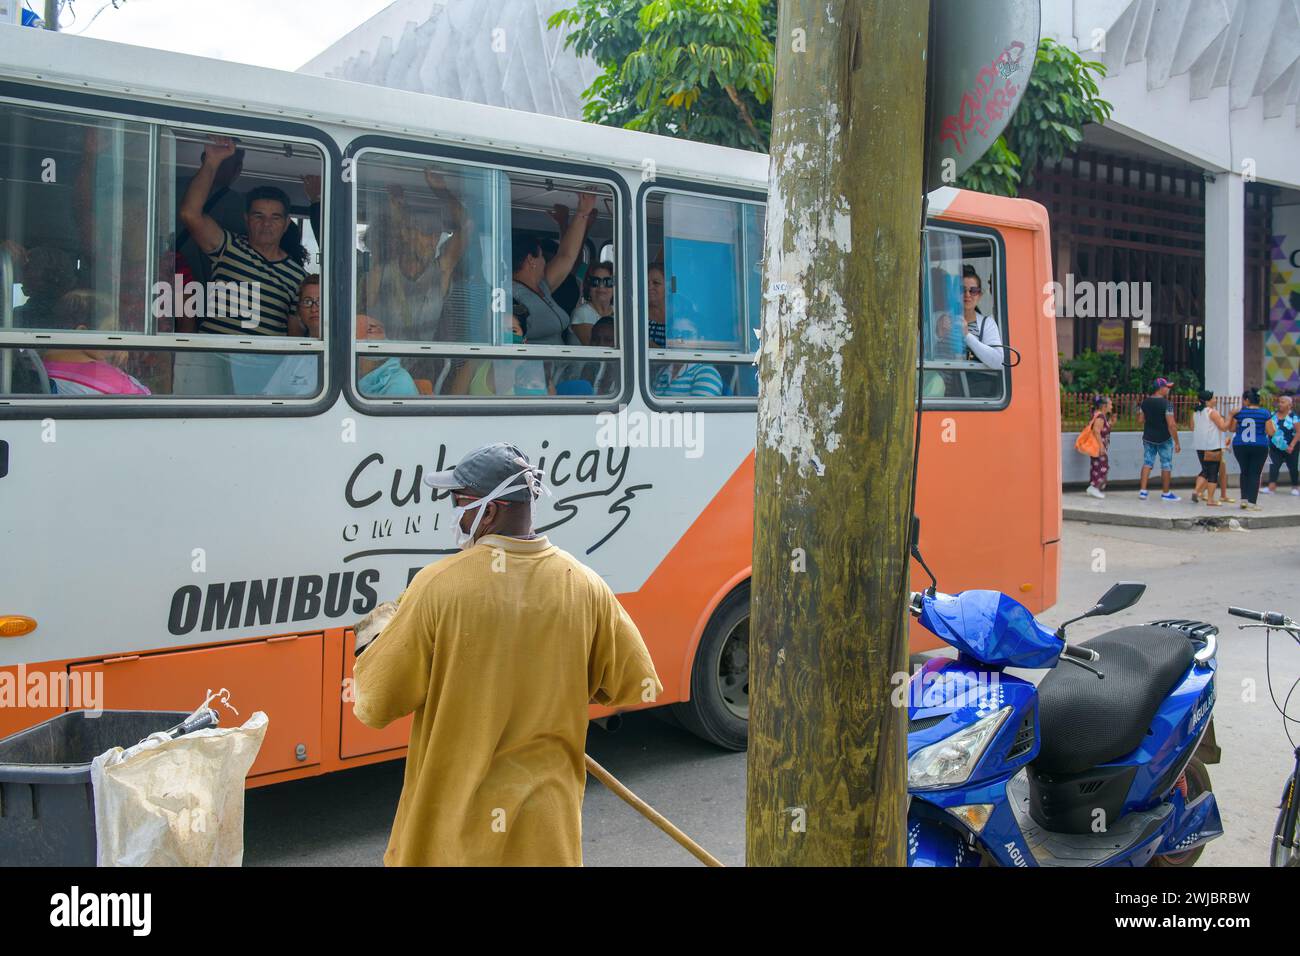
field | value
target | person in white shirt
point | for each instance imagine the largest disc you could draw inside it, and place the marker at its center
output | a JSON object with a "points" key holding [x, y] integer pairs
{"points": [[597, 300], [1208, 427], [983, 337]]}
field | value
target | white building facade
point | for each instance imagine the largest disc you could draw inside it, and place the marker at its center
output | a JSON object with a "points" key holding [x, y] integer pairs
{"points": [[1213, 85]]}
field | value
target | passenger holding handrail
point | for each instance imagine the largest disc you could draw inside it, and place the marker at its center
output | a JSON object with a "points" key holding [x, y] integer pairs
{"points": [[255, 258], [535, 276], [408, 287]]}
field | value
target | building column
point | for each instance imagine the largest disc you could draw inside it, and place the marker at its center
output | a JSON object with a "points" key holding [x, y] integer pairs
{"points": [[1225, 283]]}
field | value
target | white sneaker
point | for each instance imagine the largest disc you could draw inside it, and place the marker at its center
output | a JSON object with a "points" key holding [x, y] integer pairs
{"points": [[1094, 492], [1296, 492], [1265, 491]]}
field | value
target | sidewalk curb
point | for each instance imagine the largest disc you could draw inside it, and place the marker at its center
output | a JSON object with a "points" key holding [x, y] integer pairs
{"points": [[1249, 520]]}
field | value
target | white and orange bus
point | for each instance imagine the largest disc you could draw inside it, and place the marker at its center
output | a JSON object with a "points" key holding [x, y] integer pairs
{"points": [[222, 518]]}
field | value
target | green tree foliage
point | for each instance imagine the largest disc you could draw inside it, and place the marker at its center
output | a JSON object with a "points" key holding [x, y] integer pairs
{"points": [[698, 69], [1061, 99], [704, 70], [1106, 373]]}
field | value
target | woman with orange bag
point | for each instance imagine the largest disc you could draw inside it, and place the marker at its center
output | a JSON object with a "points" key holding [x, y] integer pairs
{"points": [[1096, 445]]}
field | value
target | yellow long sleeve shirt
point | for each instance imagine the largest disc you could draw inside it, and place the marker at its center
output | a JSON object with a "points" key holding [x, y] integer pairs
{"points": [[498, 651]]}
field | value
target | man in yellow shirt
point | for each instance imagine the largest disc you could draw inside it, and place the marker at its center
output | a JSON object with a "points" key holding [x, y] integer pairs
{"points": [[498, 651]]}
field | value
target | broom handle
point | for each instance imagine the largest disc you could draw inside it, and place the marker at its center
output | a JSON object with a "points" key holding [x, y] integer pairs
{"points": [[651, 814]]}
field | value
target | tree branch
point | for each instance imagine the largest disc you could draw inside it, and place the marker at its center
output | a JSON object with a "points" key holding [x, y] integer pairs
{"points": [[743, 110]]}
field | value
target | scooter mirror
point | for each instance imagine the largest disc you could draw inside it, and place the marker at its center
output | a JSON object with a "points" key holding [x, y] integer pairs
{"points": [[916, 552], [1120, 596]]}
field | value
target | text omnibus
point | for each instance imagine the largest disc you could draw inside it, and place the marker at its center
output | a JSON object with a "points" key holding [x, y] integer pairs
{"points": [[184, 509]]}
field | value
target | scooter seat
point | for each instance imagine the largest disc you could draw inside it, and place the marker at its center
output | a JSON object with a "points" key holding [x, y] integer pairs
{"points": [[1084, 721]]}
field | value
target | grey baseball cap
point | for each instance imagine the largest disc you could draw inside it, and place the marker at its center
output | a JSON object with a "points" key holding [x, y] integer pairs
{"points": [[483, 469]]}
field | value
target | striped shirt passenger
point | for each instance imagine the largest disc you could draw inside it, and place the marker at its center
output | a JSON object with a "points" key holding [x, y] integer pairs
{"points": [[688, 381], [258, 271], [276, 284]]}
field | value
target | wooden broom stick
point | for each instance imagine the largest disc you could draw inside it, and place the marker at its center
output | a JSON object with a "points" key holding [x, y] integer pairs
{"points": [[651, 814]]}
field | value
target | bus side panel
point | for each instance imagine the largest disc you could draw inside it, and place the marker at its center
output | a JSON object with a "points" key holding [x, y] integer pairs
{"points": [[672, 608], [1049, 408], [981, 477], [280, 676]]}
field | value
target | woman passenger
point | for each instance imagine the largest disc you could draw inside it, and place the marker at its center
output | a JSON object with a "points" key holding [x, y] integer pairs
{"points": [[597, 300], [75, 371]]}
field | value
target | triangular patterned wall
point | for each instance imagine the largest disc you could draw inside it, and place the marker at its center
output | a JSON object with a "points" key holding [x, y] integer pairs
{"points": [[1252, 47], [1282, 340], [496, 52]]}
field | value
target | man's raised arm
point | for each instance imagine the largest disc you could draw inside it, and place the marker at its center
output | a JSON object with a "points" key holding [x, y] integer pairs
{"points": [[206, 231]]}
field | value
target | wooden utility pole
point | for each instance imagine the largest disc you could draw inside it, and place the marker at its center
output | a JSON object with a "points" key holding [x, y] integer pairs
{"points": [[827, 780]]}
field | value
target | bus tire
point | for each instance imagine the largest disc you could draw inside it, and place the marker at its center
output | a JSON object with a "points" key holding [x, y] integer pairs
{"points": [[718, 710]]}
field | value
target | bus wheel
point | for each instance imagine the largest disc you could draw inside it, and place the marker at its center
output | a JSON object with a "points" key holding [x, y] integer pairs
{"points": [[718, 710]]}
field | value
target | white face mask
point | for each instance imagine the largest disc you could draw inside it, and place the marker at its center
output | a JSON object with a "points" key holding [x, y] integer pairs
{"points": [[531, 482]]}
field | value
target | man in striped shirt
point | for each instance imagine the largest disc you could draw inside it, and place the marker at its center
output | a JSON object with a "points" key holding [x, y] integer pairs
{"points": [[267, 277]]}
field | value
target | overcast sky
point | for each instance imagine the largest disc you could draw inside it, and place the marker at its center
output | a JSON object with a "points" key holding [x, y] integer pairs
{"points": [[282, 34]]}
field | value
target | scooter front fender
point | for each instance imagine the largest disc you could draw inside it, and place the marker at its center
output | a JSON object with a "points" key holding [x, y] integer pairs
{"points": [[932, 843]]}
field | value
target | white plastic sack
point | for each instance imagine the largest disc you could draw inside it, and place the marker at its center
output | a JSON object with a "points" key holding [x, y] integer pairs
{"points": [[175, 802]]}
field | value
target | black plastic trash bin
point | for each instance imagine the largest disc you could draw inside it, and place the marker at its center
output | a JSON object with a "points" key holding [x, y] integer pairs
{"points": [[47, 805]]}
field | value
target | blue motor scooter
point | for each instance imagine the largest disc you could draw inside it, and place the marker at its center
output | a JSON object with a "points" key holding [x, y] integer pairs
{"points": [[1101, 764]]}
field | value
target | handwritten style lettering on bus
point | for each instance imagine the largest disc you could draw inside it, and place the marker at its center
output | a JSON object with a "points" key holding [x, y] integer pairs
{"points": [[599, 476], [986, 101]]}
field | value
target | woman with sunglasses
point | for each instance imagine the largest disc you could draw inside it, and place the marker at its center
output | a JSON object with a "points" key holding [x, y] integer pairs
{"points": [[983, 339], [597, 300]]}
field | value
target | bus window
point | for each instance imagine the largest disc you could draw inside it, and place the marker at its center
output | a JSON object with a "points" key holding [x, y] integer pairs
{"points": [[965, 324], [101, 290], [239, 219], [703, 296], [463, 270]]}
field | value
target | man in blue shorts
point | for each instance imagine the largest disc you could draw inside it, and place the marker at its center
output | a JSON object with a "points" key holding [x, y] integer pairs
{"points": [[1159, 438]]}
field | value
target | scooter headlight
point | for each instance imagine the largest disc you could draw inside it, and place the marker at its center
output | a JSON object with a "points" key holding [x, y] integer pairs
{"points": [[950, 761]]}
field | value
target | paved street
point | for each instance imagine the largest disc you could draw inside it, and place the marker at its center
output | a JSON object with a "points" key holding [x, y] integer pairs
{"points": [[344, 819]]}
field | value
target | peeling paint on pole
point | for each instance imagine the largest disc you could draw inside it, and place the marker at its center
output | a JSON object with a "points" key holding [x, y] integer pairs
{"points": [[806, 251]]}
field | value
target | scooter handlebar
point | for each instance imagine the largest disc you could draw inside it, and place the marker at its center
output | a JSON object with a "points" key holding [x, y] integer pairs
{"points": [[1272, 618], [1080, 653]]}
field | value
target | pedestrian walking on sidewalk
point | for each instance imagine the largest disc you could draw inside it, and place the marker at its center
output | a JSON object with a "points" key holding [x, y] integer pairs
{"points": [[1252, 427], [1224, 498], [1100, 464], [498, 651], [1208, 427], [1284, 450], [1159, 438]]}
